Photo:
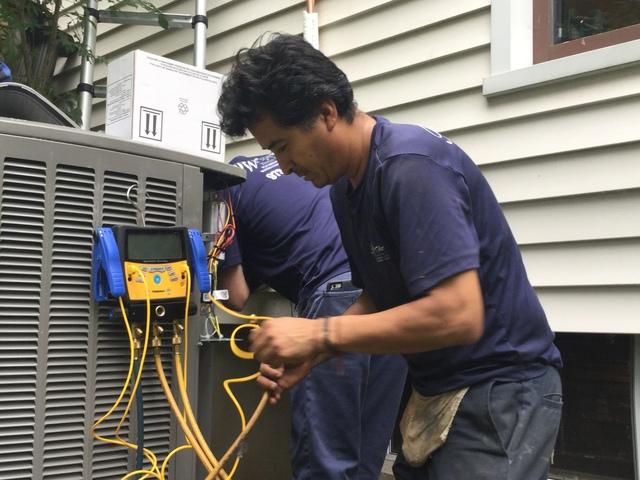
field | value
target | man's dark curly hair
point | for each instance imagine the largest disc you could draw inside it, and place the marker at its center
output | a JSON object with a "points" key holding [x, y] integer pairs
{"points": [[286, 78]]}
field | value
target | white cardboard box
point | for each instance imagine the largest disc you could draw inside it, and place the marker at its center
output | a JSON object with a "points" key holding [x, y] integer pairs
{"points": [[163, 102]]}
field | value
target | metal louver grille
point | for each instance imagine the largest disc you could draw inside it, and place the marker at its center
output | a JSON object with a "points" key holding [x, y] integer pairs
{"points": [[116, 208], [22, 207], [112, 349], [160, 211], [63, 356], [69, 318], [161, 204], [112, 361]]}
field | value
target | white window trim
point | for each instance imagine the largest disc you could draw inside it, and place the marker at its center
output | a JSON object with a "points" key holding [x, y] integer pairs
{"points": [[512, 65]]}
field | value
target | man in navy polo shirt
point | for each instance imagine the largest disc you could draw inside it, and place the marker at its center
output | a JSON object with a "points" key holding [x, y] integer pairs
{"points": [[286, 237], [443, 280]]}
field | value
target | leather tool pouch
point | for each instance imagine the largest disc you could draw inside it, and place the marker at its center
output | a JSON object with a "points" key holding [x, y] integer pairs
{"points": [[426, 422]]}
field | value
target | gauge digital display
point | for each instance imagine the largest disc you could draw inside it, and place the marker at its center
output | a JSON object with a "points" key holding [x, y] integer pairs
{"points": [[155, 246]]}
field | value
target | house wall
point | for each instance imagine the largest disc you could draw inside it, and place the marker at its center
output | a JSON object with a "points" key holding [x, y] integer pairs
{"points": [[561, 157]]}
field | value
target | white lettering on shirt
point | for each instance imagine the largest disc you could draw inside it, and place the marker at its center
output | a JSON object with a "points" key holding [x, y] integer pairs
{"points": [[273, 175], [266, 164], [248, 165]]}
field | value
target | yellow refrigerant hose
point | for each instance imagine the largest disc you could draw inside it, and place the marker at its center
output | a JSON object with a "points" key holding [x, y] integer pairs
{"points": [[246, 428], [176, 411], [251, 318], [195, 440], [186, 404], [167, 390], [171, 454], [186, 327], [143, 356], [245, 431], [186, 323], [246, 356], [118, 441]]}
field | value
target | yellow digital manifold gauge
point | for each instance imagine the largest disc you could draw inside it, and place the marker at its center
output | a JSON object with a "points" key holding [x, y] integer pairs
{"points": [[155, 263]]}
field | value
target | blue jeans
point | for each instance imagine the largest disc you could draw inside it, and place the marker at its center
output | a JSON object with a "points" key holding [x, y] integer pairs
{"points": [[502, 431], [344, 411]]}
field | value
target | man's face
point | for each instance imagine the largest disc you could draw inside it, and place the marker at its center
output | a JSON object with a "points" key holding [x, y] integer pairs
{"points": [[305, 152]]}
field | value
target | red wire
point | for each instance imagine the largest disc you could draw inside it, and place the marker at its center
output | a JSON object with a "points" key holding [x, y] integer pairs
{"points": [[229, 204], [228, 231]]}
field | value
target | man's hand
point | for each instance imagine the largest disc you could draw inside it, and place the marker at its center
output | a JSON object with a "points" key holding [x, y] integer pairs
{"points": [[287, 340], [276, 380]]}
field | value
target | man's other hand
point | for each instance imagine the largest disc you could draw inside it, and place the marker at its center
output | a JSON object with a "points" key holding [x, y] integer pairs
{"points": [[275, 380]]}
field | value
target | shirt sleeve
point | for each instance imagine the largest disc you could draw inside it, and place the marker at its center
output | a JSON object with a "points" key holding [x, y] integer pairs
{"points": [[428, 210], [232, 255]]}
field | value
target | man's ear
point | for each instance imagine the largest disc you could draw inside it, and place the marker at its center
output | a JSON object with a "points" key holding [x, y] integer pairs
{"points": [[329, 114]]}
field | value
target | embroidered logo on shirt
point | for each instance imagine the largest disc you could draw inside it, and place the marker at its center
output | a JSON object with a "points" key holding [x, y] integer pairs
{"points": [[378, 253]]}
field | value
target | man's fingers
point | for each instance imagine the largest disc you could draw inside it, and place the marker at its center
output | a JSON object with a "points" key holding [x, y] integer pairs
{"points": [[254, 339], [267, 384], [271, 388], [261, 343], [269, 376], [271, 371]]}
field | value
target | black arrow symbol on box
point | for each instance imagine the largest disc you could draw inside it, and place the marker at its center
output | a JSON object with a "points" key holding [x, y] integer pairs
{"points": [[147, 129], [155, 119], [208, 137]]}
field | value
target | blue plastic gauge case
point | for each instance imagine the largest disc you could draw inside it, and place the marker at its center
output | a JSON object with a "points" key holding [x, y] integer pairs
{"points": [[162, 255]]}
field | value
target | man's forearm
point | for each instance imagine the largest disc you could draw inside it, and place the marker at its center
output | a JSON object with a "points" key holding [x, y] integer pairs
{"points": [[233, 280], [449, 315]]}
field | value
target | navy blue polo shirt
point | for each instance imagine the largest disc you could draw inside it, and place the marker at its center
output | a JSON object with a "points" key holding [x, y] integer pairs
{"points": [[422, 213], [286, 234]]}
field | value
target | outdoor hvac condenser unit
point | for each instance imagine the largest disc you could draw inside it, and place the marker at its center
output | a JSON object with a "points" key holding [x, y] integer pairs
{"points": [[62, 358]]}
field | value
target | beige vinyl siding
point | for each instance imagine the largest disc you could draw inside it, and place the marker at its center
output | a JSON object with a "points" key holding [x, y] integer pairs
{"points": [[563, 158]]}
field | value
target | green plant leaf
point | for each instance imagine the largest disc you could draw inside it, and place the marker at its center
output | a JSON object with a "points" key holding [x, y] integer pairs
{"points": [[28, 47]]}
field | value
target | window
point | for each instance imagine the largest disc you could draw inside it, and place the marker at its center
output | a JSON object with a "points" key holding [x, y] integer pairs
{"points": [[567, 27], [596, 435], [541, 41]]}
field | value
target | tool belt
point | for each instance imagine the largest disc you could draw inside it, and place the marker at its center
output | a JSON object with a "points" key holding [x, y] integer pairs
{"points": [[426, 422]]}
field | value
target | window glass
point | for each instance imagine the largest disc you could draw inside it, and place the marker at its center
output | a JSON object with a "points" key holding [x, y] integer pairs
{"points": [[582, 18], [567, 27]]}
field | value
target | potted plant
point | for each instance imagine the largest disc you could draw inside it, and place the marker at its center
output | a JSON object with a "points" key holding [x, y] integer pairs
{"points": [[33, 36]]}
